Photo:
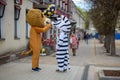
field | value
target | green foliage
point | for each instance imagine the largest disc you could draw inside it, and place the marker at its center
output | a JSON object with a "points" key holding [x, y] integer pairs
{"points": [[83, 12], [86, 17], [104, 16]]}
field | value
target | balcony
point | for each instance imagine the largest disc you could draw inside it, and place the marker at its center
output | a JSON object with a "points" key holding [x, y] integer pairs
{"points": [[42, 4], [39, 6]]}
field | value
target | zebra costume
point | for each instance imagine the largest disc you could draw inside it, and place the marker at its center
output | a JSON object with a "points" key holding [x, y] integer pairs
{"points": [[62, 54]]}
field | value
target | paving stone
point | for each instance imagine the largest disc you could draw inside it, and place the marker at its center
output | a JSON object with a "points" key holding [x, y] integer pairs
{"points": [[22, 71]]}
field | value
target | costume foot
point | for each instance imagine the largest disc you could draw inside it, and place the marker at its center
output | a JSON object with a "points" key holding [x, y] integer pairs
{"points": [[65, 70], [38, 68], [68, 69], [34, 69], [61, 71], [74, 54]]}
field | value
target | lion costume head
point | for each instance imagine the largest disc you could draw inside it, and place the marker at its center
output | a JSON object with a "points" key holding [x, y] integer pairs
{"points": [[36, 18]]}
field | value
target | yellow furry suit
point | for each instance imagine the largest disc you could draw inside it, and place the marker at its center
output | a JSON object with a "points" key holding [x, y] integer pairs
{"points": [[39, 24]]}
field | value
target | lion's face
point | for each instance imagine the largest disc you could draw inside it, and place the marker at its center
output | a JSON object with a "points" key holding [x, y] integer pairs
{"points": [[36, 18]]}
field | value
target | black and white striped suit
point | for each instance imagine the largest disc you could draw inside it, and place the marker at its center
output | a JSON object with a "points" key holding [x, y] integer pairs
{"points": [[62, 54]]}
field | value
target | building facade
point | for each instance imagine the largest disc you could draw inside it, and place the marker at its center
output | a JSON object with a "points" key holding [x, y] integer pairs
{"points": [[14, 31], [77, 17]]}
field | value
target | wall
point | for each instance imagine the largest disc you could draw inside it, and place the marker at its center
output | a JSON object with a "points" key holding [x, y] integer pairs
{"points": [[76, 15], [11, 44]]}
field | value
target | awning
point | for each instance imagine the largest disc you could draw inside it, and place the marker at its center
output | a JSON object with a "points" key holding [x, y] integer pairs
{"points": [[3, 2]]}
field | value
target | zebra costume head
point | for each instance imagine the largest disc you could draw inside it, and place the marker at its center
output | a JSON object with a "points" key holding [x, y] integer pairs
{"points": [[63, 24]]}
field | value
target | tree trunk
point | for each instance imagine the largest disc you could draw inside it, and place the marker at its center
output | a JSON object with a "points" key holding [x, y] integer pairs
{"points": [[101, 38], [107, 43], [113, 47]]}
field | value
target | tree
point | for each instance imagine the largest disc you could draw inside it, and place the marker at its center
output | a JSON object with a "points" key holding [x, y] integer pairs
{"points": [[104, 15], [86, 17]]}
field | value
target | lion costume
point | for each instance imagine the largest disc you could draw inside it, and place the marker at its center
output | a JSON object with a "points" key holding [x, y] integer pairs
{"points": [[39, 24]]}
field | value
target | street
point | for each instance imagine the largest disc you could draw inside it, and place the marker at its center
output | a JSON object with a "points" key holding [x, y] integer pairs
{"points": [[84, 66]]}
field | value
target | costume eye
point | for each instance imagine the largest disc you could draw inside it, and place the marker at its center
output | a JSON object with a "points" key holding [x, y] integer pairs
{"points": [[42, 15]]}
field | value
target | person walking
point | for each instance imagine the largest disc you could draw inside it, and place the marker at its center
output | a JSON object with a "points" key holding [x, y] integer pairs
{"points": [[79, 36], [86, 38], [74, 43]]}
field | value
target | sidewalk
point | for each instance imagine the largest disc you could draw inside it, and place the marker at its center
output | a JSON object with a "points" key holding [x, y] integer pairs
{"points": [[83, 66], [103, 58], [22, 71], [102, 61]]}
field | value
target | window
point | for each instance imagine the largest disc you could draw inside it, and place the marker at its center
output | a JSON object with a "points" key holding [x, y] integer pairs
{"points": [[57, 2], [61, 4], [50, 0], [27, 27], [2, 20], [17, 1], [27, 30], [17, 22], [2, 28]]}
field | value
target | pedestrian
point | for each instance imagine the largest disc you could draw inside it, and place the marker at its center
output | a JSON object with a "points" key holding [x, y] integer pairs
{"points": [[86, 38], [74, 43], [62, 53], [79, 36]]}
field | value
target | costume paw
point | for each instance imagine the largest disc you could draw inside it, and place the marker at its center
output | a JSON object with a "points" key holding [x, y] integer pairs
{"points": [[47, 21]]}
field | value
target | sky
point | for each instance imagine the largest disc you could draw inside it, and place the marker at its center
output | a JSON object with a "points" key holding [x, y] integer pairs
{"points": [[82, 4]]}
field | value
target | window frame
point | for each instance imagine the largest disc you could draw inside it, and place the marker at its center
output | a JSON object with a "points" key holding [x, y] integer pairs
{"points": [[2, 23], [17, 10], [27, 27]]}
